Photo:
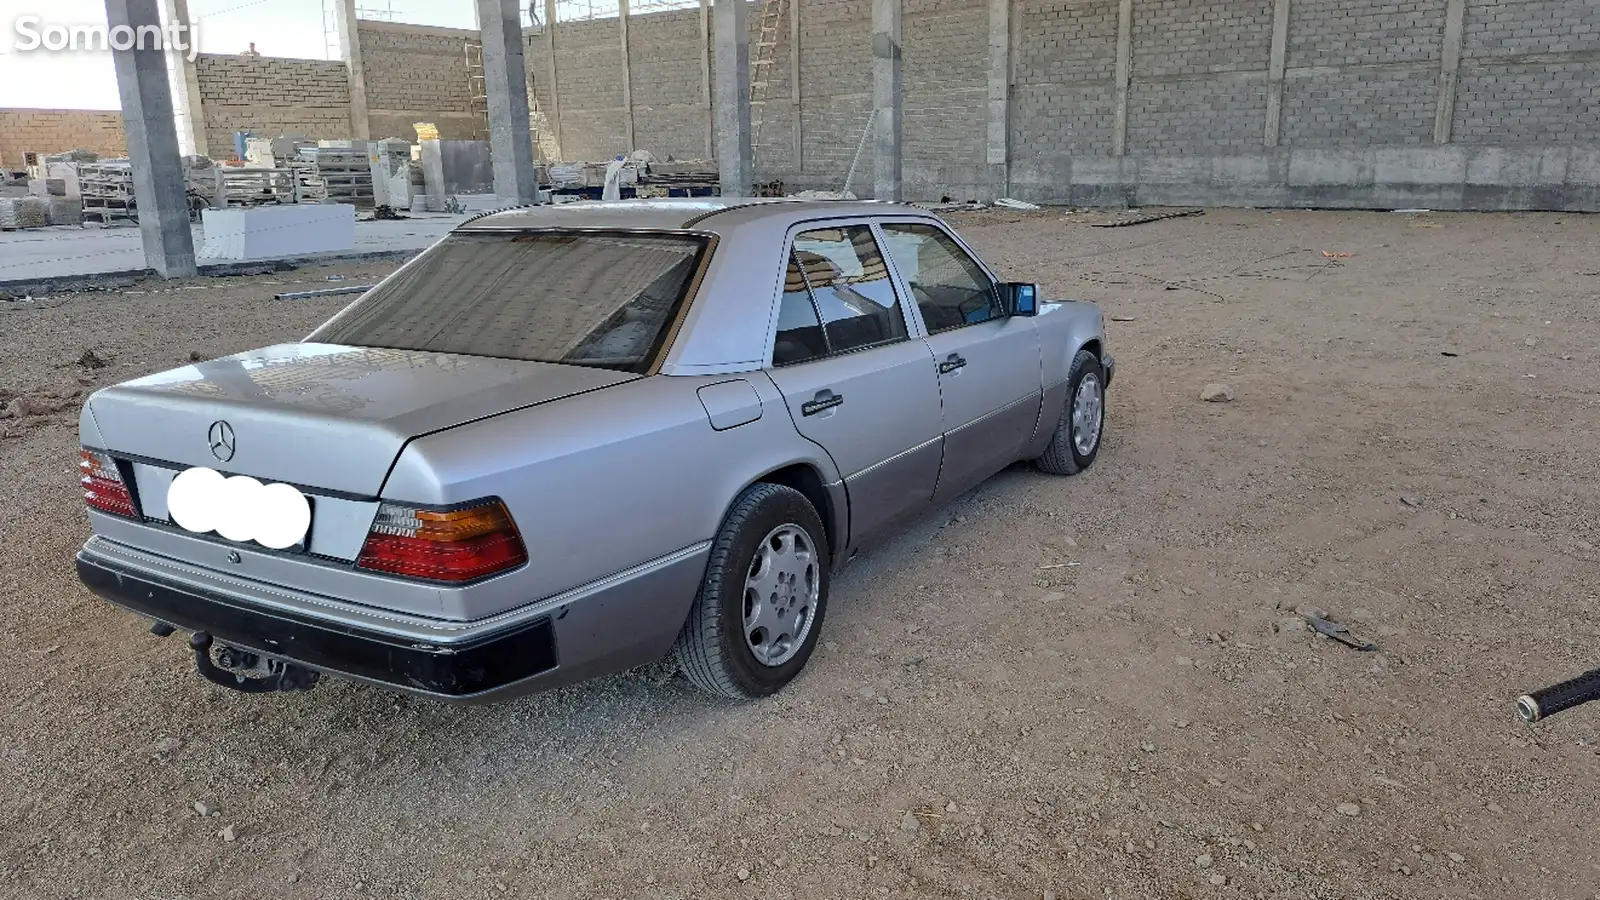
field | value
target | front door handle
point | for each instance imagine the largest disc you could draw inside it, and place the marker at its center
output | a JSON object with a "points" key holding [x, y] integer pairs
{"points": [[954, 362], [825, 400]]}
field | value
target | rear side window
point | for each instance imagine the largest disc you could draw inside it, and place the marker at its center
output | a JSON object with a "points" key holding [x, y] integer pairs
{"points": [[800, 335], [841, 275], [604, 299]]}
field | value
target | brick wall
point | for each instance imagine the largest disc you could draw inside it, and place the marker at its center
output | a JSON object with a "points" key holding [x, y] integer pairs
{"points": [[945, 76], [269, 96], [668, 101], [58, 130], [418, 74], [589, 84], [835, 90]]}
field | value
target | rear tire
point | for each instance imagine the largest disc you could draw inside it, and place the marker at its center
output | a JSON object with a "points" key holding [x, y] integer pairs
{"points": [[755, 622], [1076, 440]]}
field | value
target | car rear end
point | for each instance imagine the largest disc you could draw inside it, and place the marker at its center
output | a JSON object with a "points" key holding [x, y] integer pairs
{"points": [[244, 499]]}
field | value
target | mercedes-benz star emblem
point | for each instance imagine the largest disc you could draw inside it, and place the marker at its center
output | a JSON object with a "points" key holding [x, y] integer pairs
{"points": [[222, 440]]}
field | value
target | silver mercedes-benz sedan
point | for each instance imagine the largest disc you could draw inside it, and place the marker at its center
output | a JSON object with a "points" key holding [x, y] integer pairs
{"points": [[565, 441]]}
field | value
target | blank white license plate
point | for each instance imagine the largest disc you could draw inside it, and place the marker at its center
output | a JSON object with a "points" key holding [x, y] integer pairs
{"points": [[239, 508]]}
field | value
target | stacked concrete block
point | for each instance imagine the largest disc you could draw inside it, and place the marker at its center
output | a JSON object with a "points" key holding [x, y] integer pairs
{"points": [[24, 212]]}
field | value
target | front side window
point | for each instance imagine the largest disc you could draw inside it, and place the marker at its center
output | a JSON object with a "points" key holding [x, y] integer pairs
{"points": [[950, 288], [603, 299]]}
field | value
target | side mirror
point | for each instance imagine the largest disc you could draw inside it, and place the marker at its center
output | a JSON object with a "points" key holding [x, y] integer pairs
{"points": [[1019, 299]]}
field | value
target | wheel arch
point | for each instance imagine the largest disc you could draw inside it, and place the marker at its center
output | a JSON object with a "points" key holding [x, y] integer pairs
{"points": [[807, 479]]}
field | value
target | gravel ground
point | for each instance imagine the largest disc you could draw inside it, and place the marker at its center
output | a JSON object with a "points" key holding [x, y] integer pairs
{"points": [[1411, 449]]}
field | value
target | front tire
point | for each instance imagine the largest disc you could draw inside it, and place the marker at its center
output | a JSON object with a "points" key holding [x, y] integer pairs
{"points": [[1076, 440], [755, 622]]}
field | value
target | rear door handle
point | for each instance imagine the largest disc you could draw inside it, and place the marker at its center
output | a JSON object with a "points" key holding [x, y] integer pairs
{"points": [[953, 363], [825, 400]]}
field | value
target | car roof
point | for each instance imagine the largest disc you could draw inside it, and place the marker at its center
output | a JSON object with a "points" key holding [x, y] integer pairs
{"points": [[699, 213], [729, 323]]}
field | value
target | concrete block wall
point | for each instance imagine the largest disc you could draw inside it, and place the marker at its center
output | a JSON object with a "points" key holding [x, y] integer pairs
{"points": [[269, 96], [669, 110], [589, 85], [835, 92], [945, 77], [418, 74], [58, 130], [1354, 116], [1356, 103], [1369, 111], [1530, 71], [1062, 91]]}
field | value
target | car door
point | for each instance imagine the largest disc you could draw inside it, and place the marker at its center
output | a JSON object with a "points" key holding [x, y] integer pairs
{"points": [[987, 362], [855, 378]]}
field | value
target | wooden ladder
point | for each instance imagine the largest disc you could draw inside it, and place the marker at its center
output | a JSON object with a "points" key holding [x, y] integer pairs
{"points": [[761, 66], [477, 87]]}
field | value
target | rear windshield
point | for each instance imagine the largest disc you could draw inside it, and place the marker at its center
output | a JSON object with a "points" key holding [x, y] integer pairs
{"points": [[604, 299]]}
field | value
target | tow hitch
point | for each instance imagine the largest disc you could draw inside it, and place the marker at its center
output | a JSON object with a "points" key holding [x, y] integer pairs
{"points": [[243, 670]]}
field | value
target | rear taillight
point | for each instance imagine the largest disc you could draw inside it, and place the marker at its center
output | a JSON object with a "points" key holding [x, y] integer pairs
{"points": [[102, 484], [443, 545]]}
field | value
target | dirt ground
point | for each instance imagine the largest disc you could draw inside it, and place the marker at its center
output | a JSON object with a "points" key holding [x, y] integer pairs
{"points": [[1412, 449]]}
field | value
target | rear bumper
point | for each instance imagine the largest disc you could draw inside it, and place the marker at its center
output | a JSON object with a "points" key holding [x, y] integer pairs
{"points": [[619, 622]]}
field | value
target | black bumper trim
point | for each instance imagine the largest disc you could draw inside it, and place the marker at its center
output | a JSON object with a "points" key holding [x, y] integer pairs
{"points": [[460, 671]]}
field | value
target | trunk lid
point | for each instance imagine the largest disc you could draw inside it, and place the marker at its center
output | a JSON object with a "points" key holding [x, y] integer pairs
{"points": [[321, 416]]}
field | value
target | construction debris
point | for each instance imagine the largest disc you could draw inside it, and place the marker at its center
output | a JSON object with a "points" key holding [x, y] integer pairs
{"points": [[1009, 203], [1339, 633], [947, 205], [326, 292], [823, 195], [1139, 218]]}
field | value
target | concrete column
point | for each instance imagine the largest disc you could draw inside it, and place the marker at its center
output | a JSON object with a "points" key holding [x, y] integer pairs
{"points": [[550, 55], [1275, 66], [185, 83], [999, 148], [886, 99], [158, 185], [735, 160], [627, 77], [1119, 123], [795, 125], [505, 80], [350, 52], [705, 78], [1449, 63]]}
